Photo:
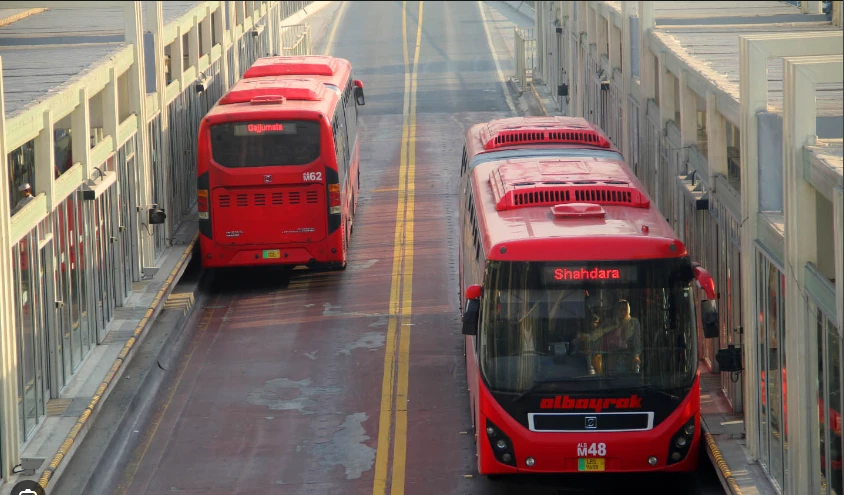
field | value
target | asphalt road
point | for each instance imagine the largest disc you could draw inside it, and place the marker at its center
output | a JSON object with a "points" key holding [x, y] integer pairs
{"points": [[281, 389]]}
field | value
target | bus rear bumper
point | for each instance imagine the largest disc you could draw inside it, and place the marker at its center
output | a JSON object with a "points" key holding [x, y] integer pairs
{"points": [[217, 256]]}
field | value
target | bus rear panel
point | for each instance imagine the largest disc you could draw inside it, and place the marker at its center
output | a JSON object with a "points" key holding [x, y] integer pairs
{"points": [[268, 185]]}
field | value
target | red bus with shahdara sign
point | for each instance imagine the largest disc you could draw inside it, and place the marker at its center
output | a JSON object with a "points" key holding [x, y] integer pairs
{"points": [[579, 307], [277, 173]]}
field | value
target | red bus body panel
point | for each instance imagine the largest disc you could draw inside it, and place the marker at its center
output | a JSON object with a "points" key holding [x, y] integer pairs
{"points": [[557, 452]]}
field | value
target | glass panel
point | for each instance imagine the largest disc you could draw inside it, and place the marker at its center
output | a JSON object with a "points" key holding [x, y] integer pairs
{"points": [[832, 404], [782, 352], [44, 302], [22, 185], [774, 376], [17, 265], [762, 303], [58, 259], [817, 316], [77, 261], [261, 144], [62, 150], [85, 317], [26, 337], [96, 251], [66, 256]]}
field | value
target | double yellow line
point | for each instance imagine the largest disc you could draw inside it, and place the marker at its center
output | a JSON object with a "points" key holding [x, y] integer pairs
{"points": [[395, 382]]}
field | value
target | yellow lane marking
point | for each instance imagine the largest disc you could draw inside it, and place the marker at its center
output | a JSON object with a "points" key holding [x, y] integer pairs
{"points": [[400, 292], [400, 445]]}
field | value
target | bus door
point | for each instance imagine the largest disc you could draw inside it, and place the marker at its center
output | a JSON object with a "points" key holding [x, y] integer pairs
{"points": [[270, 184]]}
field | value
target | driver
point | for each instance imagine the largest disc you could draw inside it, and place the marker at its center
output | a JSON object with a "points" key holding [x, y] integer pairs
{"points": [[622, 337]]}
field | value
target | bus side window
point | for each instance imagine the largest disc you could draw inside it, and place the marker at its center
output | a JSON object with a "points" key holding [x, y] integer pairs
{"points": [[337, 150], [351, 116], [341, 139]]}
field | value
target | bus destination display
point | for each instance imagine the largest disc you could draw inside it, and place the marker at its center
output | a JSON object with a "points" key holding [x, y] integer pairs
{"points": [[557, 275]]}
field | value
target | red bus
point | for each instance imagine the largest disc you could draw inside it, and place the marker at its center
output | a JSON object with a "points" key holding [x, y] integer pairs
{"points": [[337, 75], [579, 307], [278, 172]]}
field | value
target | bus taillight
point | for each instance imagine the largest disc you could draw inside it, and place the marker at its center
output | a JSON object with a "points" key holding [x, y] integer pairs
{"points": [[334, 198], [202, 203]]}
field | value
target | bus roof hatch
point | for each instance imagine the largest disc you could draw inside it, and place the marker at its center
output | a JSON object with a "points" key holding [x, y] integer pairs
{"points": [[538, 130], [267, 89], [310, 65], [519, 185]]}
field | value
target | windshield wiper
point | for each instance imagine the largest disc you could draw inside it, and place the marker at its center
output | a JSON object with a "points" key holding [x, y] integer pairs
{"points": [[643, 388], [539, 383]]}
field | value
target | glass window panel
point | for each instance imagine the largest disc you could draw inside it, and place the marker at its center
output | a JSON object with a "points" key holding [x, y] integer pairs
{"points": [[26, 336], [774, 375], [77, 261], [16, 264], [62, 150], [762, 303], [783, 351], [832, 404], [21, 163], [65, 257], [817, 317]]}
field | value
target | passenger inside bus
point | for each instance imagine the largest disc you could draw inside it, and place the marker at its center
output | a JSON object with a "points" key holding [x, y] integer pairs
{"points": [[620, 340]]}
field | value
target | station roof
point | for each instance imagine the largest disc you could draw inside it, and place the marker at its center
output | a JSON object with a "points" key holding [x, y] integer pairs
{"points": [[714, 52], [746, 12], [49, 49]]}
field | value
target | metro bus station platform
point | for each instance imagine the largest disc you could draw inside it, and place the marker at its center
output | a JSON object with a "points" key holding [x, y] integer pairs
{"points": [[726, 450]]}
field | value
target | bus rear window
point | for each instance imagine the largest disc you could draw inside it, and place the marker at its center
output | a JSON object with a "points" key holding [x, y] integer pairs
{"points": [[265, 143]]}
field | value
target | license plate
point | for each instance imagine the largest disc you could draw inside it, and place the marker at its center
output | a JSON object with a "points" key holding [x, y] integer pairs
{"points": [[272, 254], [590, 464]]}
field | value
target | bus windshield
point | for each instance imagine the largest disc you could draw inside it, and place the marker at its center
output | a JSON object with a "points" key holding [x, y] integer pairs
{"points": [[265, 143], [588, 326]]}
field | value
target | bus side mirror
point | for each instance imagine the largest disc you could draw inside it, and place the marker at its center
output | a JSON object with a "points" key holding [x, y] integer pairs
{"points": [[359, 92], [709, 317], [709, 306], [473, 305]]}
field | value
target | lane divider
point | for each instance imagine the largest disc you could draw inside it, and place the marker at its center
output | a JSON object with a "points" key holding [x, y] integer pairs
{"points": [[394, 386], [721, 463], [142, 327]]}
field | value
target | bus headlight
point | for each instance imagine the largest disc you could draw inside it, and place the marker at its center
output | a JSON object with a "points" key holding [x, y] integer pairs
{"points": [[678, 449], [502, 446]]}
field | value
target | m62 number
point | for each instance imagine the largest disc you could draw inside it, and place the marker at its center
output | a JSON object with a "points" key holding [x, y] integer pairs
{"points": [[312, 176]]}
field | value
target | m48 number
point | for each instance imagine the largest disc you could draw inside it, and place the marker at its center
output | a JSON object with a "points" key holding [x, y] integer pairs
{"points": [[598, 449], [312, 176]]}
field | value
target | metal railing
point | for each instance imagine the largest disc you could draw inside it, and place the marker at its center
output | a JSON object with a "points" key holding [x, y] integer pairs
{"points": [[296, 40], [291, 7], [525, 53]]}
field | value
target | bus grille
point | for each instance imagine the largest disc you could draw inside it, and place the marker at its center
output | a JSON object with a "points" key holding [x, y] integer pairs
{"points": [[260, 199]]}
